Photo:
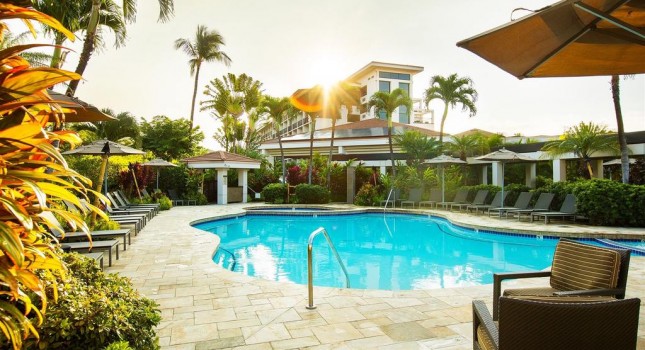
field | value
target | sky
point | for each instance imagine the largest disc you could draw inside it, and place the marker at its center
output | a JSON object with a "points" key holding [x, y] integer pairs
{"points": [[292, 44]]}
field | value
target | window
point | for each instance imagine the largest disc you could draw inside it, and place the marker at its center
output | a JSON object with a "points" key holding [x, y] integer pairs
{"points": [[405, 87], [397, 76], [383, 85], [404, 116]]}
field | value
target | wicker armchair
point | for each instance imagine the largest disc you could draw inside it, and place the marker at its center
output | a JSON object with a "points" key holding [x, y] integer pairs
{"points": [[578, 270], [538, 324]]}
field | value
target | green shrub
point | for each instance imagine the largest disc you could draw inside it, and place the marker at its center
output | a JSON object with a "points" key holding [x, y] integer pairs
{"points": [[274, 193], [492, 190], [164, 203], [199, 197], [610, 203], [367, 195], [106, 225], [120, 345], [95, 309], [312, 194]]}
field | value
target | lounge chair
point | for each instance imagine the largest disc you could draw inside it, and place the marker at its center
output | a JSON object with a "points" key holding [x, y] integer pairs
{"points": [[522, 202], [578, 270], [497, 202], [114, 207], [544, 324], [98, 257], [174, 198], [567, 210], [460, 197], [413, 198], [87, 247], [480, 199], [435, 197], [75, 236], [394, 196], [543, 204], [124, 202], [136, 222]]}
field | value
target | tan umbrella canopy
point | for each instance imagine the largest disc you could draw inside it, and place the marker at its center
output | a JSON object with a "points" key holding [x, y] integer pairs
{"points": [[569, 38], [158, 162], [442, 160], [77, 110], [505, 156]]}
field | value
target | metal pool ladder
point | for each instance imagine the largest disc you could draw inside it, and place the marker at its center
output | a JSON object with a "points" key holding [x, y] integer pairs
{"points": [[310, 275]]}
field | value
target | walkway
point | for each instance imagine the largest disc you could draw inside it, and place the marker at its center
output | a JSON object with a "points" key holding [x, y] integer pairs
{"points": [[206, 307]]}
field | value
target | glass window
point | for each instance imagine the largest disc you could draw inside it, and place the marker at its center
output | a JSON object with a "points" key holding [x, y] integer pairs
{"points": [[384, 86], [382, 115], [404, 116], [398, 76], [405, 87]]}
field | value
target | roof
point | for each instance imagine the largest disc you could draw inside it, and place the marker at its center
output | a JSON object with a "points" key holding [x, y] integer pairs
{"points": [[475, 131], [393, 66], [220, 156]]}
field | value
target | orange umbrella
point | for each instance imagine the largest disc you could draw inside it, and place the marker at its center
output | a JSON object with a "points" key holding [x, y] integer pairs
{"points": [[569, 38]]}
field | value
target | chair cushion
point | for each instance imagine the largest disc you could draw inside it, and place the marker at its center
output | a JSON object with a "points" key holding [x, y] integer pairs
{"points": [[578, 266], [483, 340]]}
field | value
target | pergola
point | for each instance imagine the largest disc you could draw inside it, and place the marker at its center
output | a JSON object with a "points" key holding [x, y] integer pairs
{"points": [[222, 162]]}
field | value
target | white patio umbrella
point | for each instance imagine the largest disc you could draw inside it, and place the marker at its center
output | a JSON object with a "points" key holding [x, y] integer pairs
{"points": [[442, 160], [158, 162], [505, 156]]}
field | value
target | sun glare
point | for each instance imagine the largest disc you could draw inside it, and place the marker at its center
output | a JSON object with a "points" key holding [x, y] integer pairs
{"points": [[326, 71]]}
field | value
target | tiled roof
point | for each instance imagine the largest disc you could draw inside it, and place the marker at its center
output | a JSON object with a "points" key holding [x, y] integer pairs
{"points": [[220, 156]]}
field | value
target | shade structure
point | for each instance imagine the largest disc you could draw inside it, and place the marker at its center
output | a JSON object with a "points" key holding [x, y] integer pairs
{"points": [[505, 156], [569, 38], [104, 148], [618, 162], [158, 162], [77, 110], [442, 160]]}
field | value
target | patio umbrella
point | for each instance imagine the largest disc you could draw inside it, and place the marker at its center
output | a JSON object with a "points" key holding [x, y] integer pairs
{"points": [[618, 162], [505, 156], [77, 110], [442, 160], [569, 38], [104, 148], [158, 162]]}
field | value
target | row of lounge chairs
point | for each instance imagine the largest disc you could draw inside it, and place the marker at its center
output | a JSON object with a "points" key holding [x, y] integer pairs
{"points": [[521, 207], [131, 217]]}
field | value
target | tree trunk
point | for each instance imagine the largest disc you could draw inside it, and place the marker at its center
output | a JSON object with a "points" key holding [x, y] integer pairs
{"points": [[284, 171], [88, 46], [389, 138], [624, 152], [312, 129], [331, 150], [192, 106], [443, 121]]}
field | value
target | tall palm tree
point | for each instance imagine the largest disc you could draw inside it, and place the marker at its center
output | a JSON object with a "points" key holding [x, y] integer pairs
{"points": [[70, 14], [388, 102], [622, 141], [279, 110], [128, 14], [464, 146], [583, 140], [452, 90], [204, 48], [341, 96], [418, 147]]}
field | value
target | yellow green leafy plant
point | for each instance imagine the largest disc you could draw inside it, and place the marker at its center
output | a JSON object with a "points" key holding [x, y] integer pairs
{"points": [[34, 179]]}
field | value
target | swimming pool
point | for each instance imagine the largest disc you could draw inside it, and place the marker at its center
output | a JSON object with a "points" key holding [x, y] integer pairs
{"points": [[381, 251]]}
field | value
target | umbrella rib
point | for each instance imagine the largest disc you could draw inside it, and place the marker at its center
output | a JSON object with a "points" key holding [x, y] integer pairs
{"points": [[611, 19]]}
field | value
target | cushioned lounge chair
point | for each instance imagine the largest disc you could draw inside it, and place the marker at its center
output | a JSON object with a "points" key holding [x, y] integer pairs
{"points": [[495, 203], [413, 198], [435, 197], [480, 199], [460, 197], [578, 270], [109, 246], [122, 202], [522, 202], [567, 210], [174, 198], [542, 324], [543, 204], [125, 234]]}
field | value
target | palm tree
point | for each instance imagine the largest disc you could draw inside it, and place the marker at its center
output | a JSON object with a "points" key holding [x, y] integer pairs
{"points": [[624, 152], [342, 95], [583, 140], [125, 129], [70, 14], [418, 146], [204, 48], [279, 110], [464, 146], [452, 90], [129, 11], [387, 102], [9, 39]]}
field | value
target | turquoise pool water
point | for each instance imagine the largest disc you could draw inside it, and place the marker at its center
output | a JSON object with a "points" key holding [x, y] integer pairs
{"points": [[381, 251]]}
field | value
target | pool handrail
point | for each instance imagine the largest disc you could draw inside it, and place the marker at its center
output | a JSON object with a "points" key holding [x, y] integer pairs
{"points": [[310, 275]]}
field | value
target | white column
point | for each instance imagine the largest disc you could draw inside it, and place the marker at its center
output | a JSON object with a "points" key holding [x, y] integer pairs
{"points": [[559, 170], [530, 174], [382, 169], [242, 181], [484, 174], [222, 186], [497, 173]]}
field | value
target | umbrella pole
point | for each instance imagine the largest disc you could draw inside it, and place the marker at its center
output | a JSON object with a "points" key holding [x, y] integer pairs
{"points": [[157, 179], [136, 184], [102, 179], [443, 184]]}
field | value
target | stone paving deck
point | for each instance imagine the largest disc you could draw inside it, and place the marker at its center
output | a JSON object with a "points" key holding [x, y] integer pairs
{"points": [[206, 307]]}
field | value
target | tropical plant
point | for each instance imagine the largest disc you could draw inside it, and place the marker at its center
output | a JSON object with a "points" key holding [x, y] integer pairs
{"points": [[124, 129], [279, 111], [10, 39], [205, 47], [34, 178], [584, 140], [129, 10], [417, 146], [622, 140], [464, 146], [452, 90], [311, 194], [387, 102], [170, 139]]}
